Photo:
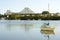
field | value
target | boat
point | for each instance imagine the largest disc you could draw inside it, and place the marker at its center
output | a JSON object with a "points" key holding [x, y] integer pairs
{"points": [[47, 27], [47, 32]]}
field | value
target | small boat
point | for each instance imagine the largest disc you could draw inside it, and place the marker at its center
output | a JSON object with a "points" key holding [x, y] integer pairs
{"points": [[47, 27], [47, 32]]}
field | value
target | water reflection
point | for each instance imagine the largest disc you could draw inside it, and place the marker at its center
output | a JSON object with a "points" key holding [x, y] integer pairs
{"points": [[27, 27], [47, 33], [24, 26], [9, 26], [28, 30]]}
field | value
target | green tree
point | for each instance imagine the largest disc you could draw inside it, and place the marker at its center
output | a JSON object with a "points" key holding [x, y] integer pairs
{"points": [[45, 12]]}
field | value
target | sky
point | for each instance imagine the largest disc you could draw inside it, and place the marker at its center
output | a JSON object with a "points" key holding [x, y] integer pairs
{"points": [[36, 5]]}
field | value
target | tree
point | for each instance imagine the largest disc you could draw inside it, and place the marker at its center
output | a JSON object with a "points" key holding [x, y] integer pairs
{"points": [[45, 12]]}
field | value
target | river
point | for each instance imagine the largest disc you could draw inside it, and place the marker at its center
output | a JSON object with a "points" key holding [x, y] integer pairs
{"points": [[27, 30]]}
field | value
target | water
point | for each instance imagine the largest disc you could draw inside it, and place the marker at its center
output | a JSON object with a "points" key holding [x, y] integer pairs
{"points": [[27, 30]]}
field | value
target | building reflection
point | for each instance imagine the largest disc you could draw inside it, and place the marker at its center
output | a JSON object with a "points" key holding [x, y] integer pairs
{"points": [[27, 27], [9, 26], [24, 26], [47, 33]]}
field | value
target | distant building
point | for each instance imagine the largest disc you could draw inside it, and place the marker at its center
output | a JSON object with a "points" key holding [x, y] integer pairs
{"points": [[28, 13], [24, 11]]}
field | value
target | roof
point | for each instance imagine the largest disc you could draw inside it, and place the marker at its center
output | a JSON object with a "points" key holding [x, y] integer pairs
{"points": [[26, 10]]}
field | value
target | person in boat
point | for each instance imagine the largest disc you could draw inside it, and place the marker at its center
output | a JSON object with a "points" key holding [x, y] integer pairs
{"points": [[47, 23]]}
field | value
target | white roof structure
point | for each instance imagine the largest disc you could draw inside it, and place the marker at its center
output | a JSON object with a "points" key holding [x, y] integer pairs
{"points": [[26, 10], [8, 12]]}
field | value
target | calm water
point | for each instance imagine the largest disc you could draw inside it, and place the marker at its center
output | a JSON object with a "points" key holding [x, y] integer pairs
{"points": [[27, 30]]}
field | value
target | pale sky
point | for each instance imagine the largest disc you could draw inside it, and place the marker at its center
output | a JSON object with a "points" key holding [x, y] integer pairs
{"points": [[36, 5]]}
